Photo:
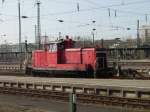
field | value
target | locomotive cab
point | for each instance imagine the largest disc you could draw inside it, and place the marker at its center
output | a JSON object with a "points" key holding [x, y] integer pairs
{"points": [[59, 45], [54, 46]]}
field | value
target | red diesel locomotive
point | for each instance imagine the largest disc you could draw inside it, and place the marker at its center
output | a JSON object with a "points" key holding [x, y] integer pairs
{"points": [[62, 59]]}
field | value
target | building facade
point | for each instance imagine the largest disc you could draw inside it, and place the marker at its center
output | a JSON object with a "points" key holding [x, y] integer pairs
{"points": [[145, 34]]}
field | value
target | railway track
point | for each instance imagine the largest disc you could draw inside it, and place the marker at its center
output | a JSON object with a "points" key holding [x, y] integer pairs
{"points": [[81, 98], [143, 71]]}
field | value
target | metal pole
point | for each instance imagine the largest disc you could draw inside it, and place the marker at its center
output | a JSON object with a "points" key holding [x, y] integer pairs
{"points": [[35, 31], [59, 35], [72, 100], [138, 35], [102, 43], [26, 55], [38, 24], [117, 56], [20, 46], [93, 38], [93, 35], [118, 72]]}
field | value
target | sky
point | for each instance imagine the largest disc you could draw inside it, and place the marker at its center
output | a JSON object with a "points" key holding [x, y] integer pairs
{"points": [[112, 18]]}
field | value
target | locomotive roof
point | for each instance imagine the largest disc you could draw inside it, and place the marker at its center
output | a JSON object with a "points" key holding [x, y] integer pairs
{"points": [[55, 42]]}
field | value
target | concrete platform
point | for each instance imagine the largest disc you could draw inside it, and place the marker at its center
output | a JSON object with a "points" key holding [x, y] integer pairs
{"points": [[105, 87]]}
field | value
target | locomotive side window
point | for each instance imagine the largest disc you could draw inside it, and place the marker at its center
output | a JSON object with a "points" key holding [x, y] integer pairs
{"points": [[52, 47]]}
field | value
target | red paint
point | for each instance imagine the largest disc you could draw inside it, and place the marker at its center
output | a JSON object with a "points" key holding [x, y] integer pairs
{"points": [[69, 59]]}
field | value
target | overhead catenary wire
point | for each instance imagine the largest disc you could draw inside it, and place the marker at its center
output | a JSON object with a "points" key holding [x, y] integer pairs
{"points": [[96, 8], [103, 7], [82, 10]]}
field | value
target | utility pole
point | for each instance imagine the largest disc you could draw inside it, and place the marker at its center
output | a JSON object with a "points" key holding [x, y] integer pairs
{"points": [[20, 46], [35, 33], [38, 24], [138, 35], [59, 35], [93, 36], [26, 56], [93, 39], [117, 56], [93, 32], [102, 43]]}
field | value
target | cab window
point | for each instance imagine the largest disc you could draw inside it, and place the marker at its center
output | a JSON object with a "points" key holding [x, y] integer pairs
{"points": [[52, 47]]}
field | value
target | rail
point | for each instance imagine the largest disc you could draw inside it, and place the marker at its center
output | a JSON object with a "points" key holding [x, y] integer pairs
{"points": [[135, 95], [81, 98]]}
